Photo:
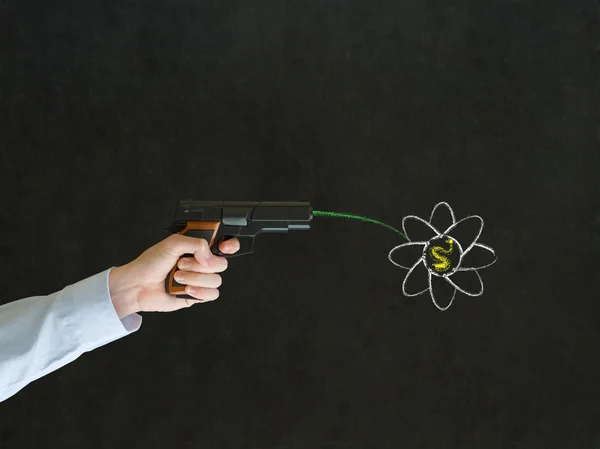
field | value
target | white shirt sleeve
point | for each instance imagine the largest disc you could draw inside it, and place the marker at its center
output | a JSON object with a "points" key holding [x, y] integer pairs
{"points": [[41, 334]]}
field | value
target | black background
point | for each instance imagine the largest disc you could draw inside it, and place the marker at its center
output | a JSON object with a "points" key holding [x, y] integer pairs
{"points": [[112, 111]]}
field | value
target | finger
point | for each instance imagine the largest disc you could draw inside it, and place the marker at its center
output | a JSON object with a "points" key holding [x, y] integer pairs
{"points": [[209, 280], [203, 294], [230, 246], [204, 255], [177, 244], [219, 264]]}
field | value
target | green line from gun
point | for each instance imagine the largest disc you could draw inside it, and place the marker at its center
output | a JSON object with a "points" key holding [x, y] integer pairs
{"points": [[320, 213]]}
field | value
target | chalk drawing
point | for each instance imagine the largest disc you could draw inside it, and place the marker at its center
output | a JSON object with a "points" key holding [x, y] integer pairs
{"points": [[439, 253], [443, 257]]}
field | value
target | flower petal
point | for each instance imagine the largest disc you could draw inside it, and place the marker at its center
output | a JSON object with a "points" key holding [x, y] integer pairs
{"points": [[442, 216], [479, 256], [407, 254], [466, 231], [417, 229], [467, 282], [415, 281], [441, 291]]}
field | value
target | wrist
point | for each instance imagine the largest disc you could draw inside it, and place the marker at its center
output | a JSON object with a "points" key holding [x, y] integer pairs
{"points": [[123, 297]]}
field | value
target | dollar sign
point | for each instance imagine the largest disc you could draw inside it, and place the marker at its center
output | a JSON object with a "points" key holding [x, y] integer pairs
{"points": [[436, 253]]}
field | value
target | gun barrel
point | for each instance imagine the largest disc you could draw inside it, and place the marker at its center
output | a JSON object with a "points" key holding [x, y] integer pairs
{"points": [[299, 211], [296, 214]]}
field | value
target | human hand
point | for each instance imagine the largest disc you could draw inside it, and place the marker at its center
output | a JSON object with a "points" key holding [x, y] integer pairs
{"points": [[139, 286]]}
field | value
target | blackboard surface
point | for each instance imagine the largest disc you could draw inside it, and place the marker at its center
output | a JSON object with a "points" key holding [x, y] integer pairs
{"points": [[112, 111]]}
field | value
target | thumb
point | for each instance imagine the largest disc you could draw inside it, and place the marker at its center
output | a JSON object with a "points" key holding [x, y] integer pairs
{"points": [[178, 245]]}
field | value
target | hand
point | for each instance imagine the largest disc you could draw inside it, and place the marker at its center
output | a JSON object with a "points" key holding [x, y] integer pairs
{"points": [[139, 286]]}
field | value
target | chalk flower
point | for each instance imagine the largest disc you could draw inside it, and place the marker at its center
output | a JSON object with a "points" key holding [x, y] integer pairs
{"points": [[442, 255]]}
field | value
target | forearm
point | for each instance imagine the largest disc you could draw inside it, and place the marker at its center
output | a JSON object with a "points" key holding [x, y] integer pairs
{"points": [[40, 334]]}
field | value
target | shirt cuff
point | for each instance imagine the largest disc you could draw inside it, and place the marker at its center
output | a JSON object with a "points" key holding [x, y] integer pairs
{"points": [[93, 315]]}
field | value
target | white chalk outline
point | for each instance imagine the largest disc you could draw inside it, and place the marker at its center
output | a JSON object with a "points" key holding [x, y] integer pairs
{"points": [[401, 246], [433, 296], [462, 221], [420, 261], [482, 246], [445, 276], [429, 225], [443, 203], [462, 290]]}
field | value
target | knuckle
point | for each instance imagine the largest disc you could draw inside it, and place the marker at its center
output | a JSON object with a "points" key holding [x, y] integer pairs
{"points": [[204, 249]]}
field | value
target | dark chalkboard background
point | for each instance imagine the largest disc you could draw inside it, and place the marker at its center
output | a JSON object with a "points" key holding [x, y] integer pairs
{"points": [[112, 111]]}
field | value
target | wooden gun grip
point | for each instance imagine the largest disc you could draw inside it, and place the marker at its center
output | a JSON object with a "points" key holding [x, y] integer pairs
{"points": [[200, 229]]}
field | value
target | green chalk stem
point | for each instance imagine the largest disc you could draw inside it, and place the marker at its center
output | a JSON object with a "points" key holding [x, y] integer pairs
{"points": [[356, 217]]}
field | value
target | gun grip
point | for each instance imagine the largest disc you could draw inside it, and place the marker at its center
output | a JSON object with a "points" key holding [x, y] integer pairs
{"points": [[206, 230]]}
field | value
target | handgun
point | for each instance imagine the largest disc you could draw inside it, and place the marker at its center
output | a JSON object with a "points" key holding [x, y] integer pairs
{"points": [[216, 221]]}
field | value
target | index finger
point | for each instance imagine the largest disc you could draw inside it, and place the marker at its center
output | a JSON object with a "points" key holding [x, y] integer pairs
{"points": [[229, 246]]}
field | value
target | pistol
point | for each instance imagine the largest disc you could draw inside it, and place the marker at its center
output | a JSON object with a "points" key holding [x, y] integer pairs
{"points": [[216, 221]]}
